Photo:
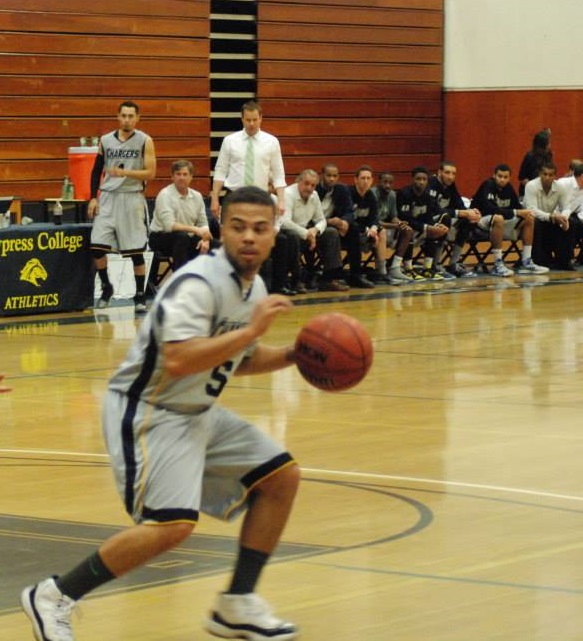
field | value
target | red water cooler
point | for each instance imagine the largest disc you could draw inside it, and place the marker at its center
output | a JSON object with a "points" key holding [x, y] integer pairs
{"points": [[81, 160]]}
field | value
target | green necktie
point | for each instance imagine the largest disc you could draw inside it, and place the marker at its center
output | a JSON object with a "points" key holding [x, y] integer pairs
{"points": [[249, 177]]}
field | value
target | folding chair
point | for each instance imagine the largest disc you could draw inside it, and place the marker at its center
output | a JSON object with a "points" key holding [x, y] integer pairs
{"points": [[479, 248], [161, 267], [483, 256]]}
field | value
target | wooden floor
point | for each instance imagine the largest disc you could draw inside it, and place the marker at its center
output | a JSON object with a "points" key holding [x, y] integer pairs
{"points": [[442, 498]]}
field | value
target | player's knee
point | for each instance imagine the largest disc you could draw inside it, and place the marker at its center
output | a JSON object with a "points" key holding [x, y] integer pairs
{"points": [[171, 534], [284, 482], [138, 260], [407, 234]]}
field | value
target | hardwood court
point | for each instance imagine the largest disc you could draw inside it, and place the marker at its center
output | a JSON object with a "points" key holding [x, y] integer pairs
{"points": [[441, 498]]}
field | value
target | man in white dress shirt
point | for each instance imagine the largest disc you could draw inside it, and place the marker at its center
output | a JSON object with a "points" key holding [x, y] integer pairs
{"points": [[249, 157], [548, 200], [574, 186], [304, 217]]}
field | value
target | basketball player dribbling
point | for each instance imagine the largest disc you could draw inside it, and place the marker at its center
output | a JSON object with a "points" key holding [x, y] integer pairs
{"points": [[174, 452]]}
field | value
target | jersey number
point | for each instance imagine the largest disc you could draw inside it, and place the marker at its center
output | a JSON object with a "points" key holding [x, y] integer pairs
{"points": [[219, 379]]}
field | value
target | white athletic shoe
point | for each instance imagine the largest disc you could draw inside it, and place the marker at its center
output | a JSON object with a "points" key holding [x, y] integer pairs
{"points": [[530, 267], [500, 269], [49, 611], [398, 276], [247, 616]]}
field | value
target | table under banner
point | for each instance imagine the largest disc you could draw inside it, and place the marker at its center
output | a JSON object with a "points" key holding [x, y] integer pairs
{"points": [[45, 268]]}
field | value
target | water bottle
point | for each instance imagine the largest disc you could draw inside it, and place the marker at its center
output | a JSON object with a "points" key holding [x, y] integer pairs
{"points": [[58, 213], [68, 189]]}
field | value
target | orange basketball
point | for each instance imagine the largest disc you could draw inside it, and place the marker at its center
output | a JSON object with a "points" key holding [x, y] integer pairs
{"points": [[333, 352]]}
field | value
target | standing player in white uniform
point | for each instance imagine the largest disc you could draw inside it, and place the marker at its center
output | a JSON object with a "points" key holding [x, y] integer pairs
{"points": [[125, 161], [174, 452]]}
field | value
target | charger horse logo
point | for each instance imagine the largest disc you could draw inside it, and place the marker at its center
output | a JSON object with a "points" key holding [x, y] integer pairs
{"points": [[33, 271]]}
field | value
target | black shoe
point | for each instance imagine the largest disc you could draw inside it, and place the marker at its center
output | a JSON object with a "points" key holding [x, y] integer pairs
{"points": [[361, 282], [300, 288], [106, 294], [285, 291], [333, 286]]}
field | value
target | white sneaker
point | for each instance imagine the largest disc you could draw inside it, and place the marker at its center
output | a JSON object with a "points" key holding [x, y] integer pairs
{"points": [[49, 610], [398, 276], [500, 269], [106, 294], [530, 267], [140, 304], [247, 616]]}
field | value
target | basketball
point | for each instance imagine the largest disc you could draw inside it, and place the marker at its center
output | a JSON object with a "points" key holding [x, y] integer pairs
{"points": [[333, 352]]}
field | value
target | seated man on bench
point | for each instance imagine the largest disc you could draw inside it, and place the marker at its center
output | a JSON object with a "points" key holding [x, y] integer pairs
{"points": [[180, 227], [504, 217]]}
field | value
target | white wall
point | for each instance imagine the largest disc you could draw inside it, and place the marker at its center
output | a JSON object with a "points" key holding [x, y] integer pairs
{"points": [[511, 44]]}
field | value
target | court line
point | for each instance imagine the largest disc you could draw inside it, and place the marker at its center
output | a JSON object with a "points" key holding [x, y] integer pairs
{"points": [[448, 579], [347, 474], [53, 453], [461, 484]]}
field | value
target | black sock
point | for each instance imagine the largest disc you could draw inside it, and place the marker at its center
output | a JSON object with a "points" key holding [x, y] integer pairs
{"points": [[140, 282], [103, 277], [247, 570], [87, 576]]}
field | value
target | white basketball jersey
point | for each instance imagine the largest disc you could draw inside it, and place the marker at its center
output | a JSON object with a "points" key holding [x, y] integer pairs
{"points": [[204, 298], [126, 154]]}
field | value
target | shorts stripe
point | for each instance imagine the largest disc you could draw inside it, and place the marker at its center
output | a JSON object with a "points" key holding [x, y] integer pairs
{"points": [[266, 469], [169, 515], [104, 248], [129, 455], [128, 434]]}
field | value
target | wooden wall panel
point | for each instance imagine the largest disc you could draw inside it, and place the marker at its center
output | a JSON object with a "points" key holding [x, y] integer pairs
{"points": [[65, 69], [84, 24], [484, 128], [385, 73], [382, 15], [328, 52], [390, 108], [70, 44], [395, 4], [127, 8], [353, 84], [77, 66], [342, 35], [365, 88], [36, 85]]}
